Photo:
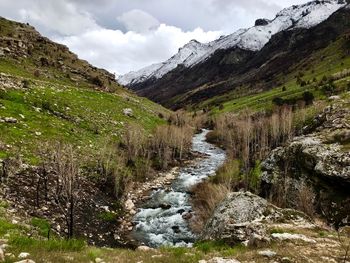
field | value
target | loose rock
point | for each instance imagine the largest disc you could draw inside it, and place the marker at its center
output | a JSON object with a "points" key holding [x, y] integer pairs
{"points": [[128, 112], [10, 120], [267, 253], [23, 255], [129, 205], [144, 248], [2, 255], [288, 236]]}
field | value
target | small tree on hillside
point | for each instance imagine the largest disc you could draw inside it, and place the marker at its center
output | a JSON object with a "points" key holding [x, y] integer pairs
{"points": [[67, 184], [308, 97]]}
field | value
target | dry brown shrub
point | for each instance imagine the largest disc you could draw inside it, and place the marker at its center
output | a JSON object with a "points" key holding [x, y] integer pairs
{"points": [[171, 142], [344, 240], [305, 199], [206, 197], [134, 141], [179, 118], [199, 120]]}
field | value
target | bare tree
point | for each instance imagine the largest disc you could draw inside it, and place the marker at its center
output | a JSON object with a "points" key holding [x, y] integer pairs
{"points": [[344, 240], [66, 167]]}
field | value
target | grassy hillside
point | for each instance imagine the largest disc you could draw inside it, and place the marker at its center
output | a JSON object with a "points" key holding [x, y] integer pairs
{"points": [[48, 94]]}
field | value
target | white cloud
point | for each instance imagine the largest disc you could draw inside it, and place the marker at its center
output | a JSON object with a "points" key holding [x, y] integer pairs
{"points": [[121, 52], [126, 35], [58, 16], [138, 21]]}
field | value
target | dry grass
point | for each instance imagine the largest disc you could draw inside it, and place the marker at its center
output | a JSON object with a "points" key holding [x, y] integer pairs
{"points": [[206, 197], [250, 137], [344, 240], [305, 199]]}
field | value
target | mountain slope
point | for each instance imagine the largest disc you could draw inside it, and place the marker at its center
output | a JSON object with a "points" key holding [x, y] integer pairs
{"points": [[252, 39], [48, 94]]}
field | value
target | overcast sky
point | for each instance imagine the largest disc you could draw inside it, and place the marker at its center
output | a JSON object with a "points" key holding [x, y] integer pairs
{"points": [[125, 35]]}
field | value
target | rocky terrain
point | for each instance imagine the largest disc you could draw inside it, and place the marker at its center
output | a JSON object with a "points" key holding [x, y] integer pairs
{"points": [[320, 159], [257, 231], [52, 61], [48, 95], [246, 218], [278, 235]]}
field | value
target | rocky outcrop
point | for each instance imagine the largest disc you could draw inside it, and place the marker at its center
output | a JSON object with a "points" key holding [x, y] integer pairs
{"points": [[321, 160], [262, 22], [246, 218], [21, 42]]}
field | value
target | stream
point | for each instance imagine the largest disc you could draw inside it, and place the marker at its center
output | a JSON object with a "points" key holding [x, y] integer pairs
{"points": [[160, 221]]}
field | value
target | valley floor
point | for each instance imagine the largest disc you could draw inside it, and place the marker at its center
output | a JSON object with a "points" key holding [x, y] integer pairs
{"points": [[315, 244]]}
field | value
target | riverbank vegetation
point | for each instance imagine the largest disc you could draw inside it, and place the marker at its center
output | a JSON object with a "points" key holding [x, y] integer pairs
{"points": [[248, 138], [65, 176]]}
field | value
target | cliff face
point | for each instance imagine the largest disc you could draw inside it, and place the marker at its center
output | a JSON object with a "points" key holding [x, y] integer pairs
{"points": [[320, 160]]}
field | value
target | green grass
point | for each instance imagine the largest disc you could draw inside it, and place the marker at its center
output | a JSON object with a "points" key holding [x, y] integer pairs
{"points": [[3, 204], [219, 246], [6, 227], [42, 225], [23, 243], [108, 216], [83, 117], [229, 172], [66, 100], [324, 62], [255, 176]]}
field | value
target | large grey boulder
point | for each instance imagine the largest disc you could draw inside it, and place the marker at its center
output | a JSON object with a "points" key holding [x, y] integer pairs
{"points": [[245, 218], [309, 154], [319, 159]]}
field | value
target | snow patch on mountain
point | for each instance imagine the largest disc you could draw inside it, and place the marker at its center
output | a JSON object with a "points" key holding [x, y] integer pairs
{"points": [[254, 39]]}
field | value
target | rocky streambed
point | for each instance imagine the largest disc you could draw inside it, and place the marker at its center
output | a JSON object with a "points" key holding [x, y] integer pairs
{"points": [[163, 219]]}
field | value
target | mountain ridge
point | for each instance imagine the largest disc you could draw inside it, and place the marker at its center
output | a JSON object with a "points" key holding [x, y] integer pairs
{"points": [[251, 39]]}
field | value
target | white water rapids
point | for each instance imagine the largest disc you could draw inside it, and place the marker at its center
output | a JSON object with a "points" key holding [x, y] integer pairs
{"points": [[160, 222]]}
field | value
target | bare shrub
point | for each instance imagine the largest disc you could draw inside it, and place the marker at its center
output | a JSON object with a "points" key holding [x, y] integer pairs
{"points": [[199, 120], [67, 184], [8, 167], [134, 141], [170, 142], [179, 118], [251, 136], [206, 197], [344, 240], [142, 168], [111, 168], [36, 73], [279, 192], [305, 199]]}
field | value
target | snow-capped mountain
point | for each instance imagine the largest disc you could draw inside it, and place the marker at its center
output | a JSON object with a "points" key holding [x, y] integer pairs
{"points": [[254, 38]]}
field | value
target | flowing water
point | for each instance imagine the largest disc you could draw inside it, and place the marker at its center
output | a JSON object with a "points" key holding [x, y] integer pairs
{"points": [[161, 220]]}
